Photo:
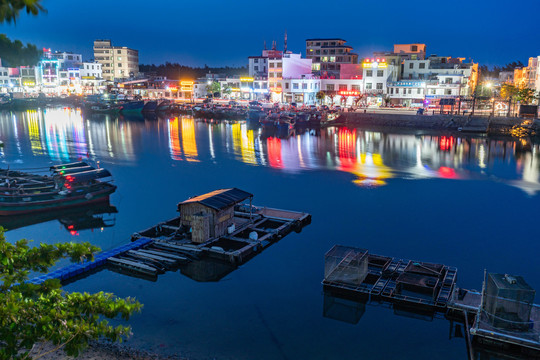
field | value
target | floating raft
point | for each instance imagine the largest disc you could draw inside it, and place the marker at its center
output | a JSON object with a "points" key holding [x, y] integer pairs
{"points": [[381, 278], [502, 315]]}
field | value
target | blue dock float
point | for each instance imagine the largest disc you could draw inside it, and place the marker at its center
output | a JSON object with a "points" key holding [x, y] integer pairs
{"points": [[100, 259]]}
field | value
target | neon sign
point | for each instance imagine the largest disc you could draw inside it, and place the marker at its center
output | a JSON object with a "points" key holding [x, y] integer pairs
{"points": [[246, 79], [349, 92]]}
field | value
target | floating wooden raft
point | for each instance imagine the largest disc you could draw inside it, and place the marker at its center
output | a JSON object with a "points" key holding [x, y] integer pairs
{"points": [[382, 278]]}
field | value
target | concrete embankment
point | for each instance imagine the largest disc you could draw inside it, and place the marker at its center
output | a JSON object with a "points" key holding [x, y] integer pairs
{"points": [[474, 124]]}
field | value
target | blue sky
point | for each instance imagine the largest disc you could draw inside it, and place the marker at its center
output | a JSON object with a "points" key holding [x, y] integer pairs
{"points": [[226, 32]]}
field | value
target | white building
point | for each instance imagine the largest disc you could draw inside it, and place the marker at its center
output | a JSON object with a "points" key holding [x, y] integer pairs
{"points": [[300, 90], [91, 77], [342, 91], [376, 76], [408, 93]]}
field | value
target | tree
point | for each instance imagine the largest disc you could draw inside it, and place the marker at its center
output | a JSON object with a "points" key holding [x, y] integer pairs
{"points": [[14, 53], [525, 95], [320, 96], [9, 9], [508, 91], [214, 88], [31, 313], [358, 98], [227, 90]]}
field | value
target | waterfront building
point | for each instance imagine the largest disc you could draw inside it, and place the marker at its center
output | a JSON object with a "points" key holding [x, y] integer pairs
{"points": [[258, 66], [377, 73], [91, 77], [286, 68], [118, 62], [528, 76], [328, 54], [506, 77], [432, 79]]}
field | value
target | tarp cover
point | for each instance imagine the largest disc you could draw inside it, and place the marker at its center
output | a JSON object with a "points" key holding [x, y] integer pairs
{"points": [[219, 199]]}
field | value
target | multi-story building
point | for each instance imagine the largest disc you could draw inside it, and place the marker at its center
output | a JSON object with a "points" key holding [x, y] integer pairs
{"points": [[377, 73], [91, 77], [327, 55], [119, 62], [528, 76], [258, 66], [411, 51], [428, 80], [287, 67]]}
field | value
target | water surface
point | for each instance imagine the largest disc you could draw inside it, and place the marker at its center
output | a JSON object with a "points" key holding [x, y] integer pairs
{"points": [[462, 201]]}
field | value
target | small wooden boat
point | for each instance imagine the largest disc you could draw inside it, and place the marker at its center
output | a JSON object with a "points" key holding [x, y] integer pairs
{"points": [[68, 185], [132, 106]]}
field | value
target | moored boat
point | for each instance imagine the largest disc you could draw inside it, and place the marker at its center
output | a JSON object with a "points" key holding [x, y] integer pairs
{"points": [[68, 185], [132, 106]]}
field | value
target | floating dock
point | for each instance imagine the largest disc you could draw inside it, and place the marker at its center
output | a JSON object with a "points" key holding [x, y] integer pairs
{"points": [[226, 236], [502, 316]]}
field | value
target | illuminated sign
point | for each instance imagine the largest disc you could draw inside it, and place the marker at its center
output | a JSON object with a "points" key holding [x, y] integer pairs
{"points": [[349, 93], [377, 63], [173, 88], [185, 88], [246, 79], [29, 83], [89, 77], [276, 90], [186, 83], [261, 91]]}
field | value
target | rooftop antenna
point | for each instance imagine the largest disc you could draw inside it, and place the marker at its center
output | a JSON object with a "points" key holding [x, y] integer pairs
{"points": [[285, 46], [273, 44], [264, 44]]}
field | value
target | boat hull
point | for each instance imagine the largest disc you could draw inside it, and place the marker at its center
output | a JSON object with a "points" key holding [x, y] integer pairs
{"points": [[98, 196]]}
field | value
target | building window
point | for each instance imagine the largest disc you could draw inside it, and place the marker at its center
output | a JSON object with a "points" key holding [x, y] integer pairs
{"points": [[118, 51], [380, 73], [421, 76], [411, 65], [271, 65], [342, 87], [448, 80], [278, 74], [330, 87], [256, 68], [286, 85], [368, 86], [448, 92], [355, 87], [418, 91], [410, 91], [379, 86], [295, 86], [369, 73], [391, 91], [422, 65], [414, 48], [256, 60], [433, 92], [304, 86]]}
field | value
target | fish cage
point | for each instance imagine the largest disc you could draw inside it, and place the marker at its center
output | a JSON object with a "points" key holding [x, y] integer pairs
{"points": [[508, 301], [346, 265]]}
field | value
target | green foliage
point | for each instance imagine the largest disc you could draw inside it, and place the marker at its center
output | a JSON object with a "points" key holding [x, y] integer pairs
{"points": [[35, 313], [525, 95], [320, 96], [214, 88], [9, 9], [14, 53], [483, 91], [508, 91]]}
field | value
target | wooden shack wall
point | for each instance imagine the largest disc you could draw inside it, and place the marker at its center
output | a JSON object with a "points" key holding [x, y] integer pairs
{"points": [[218, 222]]}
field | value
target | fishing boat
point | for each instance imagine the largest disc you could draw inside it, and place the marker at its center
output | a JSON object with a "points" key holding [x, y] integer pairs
{"points": [[150, 106], [132, 106], [67, 185]]}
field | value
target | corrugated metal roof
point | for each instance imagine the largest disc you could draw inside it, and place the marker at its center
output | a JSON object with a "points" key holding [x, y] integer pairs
{"points": [[219, 199]]}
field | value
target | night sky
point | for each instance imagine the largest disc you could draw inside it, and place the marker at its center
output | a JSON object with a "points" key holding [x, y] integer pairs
{"points": [[217, 33]]}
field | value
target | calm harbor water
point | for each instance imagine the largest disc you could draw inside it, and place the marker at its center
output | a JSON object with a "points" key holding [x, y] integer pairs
{"points": [[467, 202]]}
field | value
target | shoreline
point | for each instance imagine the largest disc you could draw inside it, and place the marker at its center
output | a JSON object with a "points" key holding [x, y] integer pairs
{"points": [[462, 124], [101, 350]]}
